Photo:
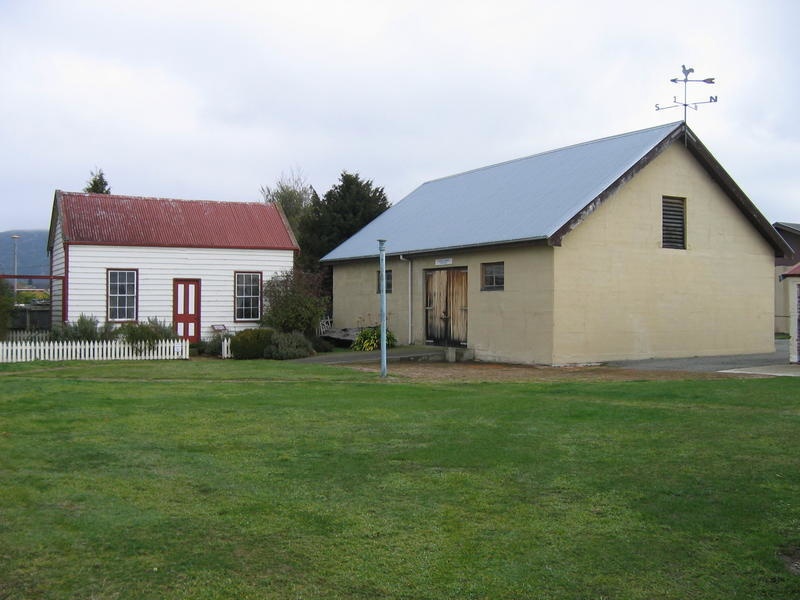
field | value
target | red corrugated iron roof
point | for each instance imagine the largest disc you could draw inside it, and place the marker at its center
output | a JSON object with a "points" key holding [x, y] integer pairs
{"points": [[106, 219], [793, 272]]}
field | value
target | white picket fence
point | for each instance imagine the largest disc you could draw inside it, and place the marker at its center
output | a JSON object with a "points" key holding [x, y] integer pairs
{"points": [[13, 352], [26, 335], [226, 348]]}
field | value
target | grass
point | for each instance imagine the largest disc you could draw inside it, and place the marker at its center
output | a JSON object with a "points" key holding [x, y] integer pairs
{"points": [[211, 479]]}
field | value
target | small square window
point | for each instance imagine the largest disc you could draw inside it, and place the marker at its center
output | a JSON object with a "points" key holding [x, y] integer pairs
{"points": [[388, 282], [493, 276]]}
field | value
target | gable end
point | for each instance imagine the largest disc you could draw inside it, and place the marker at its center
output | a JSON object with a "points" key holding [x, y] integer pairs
{"points": [[714, 170], [555, 238]]}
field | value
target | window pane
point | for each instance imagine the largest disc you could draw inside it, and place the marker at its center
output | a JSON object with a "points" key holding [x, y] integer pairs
{"points": [[121, 299], [388, 282], [493, 276], [248, 296]]}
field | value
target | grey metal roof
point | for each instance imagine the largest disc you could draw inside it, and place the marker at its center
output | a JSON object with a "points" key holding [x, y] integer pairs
{"points": [[525, 199], [793, 227]]}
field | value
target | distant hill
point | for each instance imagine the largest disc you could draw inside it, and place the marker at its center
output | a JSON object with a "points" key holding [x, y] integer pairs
{"points": [[32, 256]]}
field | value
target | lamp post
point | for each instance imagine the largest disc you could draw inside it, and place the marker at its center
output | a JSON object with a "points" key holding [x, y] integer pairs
{"points": [[15, 237], [382, 253]]}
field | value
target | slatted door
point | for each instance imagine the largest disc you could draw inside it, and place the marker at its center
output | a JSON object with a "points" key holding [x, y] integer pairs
{"points": [[186, 308], [446, 307]]}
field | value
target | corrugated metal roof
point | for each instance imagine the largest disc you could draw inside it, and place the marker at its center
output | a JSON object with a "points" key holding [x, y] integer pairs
{"points": [[793, 227], [529, 198], [793, 272], [136, 221]]}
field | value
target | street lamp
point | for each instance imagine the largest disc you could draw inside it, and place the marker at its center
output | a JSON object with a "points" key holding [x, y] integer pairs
{"points": [[15, 237]]}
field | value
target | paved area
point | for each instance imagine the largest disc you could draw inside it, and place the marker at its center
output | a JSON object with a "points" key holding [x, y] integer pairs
{"points": [[432, 353], [773, 363]]}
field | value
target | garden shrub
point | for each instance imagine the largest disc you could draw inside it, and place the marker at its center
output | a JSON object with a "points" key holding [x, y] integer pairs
{"points": [[287, 346], [369, 338], [213, 345], [85, 329], [292, 302], [251, 343], [321, 344], [145, 335]]}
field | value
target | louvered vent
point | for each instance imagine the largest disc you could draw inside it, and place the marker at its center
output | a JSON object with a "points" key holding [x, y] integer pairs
{"points": [[673, 228]]}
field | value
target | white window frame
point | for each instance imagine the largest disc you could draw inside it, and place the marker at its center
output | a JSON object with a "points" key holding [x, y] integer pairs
{"points": [[242, 291], [116, 290]]}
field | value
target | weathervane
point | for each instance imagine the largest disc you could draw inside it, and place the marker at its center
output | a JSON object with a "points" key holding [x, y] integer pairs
{"points": [[685, 104]]}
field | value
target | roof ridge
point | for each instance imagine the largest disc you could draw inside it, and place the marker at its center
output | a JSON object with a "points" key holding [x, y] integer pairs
{"points": [[129, 197], [787, 225], [672, 125]]}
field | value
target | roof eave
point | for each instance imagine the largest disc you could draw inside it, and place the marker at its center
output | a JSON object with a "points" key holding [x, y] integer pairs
{"points": [[53, 220], [731, 188], [789, 227], [540, 240]]}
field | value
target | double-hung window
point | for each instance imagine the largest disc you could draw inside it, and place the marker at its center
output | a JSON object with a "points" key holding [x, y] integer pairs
{"points": [[123, 293], [248, 296]]}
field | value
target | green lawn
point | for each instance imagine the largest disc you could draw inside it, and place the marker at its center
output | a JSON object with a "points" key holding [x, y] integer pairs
{"points": [[212, 479]]}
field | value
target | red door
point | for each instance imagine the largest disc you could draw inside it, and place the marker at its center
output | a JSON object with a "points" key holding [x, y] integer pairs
{"points": [[186, 308]]}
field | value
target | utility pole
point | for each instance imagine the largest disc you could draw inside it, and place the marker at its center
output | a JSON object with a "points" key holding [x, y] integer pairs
{"points": [[382, 252], [15, 237]]}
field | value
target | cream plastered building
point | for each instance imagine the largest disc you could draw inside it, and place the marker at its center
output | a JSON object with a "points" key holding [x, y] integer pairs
{"points": [[792, 281], [630, 247], [783, 299]]}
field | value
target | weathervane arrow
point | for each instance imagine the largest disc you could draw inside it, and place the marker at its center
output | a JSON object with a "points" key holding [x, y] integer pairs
{"points": [[686, 104]]}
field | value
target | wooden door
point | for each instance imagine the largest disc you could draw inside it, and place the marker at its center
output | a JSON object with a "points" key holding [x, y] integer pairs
{"points": [[446, 307], [186, 308]]}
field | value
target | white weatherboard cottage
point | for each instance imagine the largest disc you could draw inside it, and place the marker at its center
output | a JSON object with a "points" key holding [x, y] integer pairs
{"points": [[198, 264]]}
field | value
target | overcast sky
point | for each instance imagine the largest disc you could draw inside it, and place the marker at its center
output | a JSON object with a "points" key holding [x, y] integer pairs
{"points": [[211, 100]]}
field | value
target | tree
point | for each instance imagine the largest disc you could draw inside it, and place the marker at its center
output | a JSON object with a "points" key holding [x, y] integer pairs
{"points": [[330, 220], [97, 184], [294, 302], [293, 194]]}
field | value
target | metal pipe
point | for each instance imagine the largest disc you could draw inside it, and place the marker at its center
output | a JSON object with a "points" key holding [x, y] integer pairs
{"points": [[15, 237], [382, 251], [410, 296]]}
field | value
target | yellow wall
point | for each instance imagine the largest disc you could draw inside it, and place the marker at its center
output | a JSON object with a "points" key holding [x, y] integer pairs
{"points": [[512, 325], [619, 295], [356, 302]]}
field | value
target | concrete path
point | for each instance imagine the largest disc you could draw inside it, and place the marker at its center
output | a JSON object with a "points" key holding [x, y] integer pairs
{"points": [[433, 353], [773, 363]]}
